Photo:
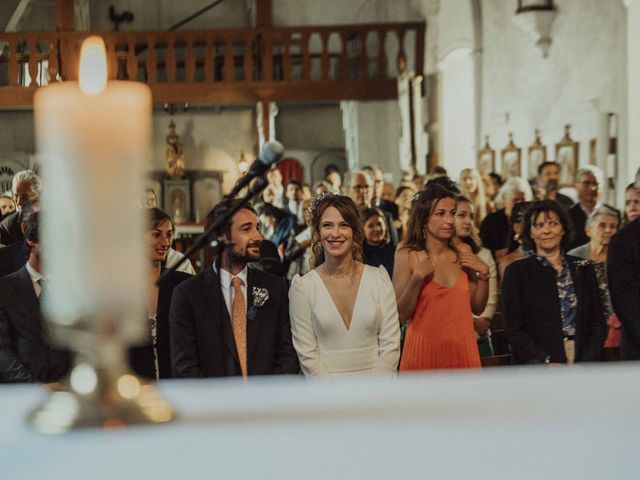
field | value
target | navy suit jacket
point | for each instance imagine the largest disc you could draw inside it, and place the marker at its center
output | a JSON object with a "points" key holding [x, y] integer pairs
{"points": [[13, 257], [623, 267], [25, 349], [202, 342]]}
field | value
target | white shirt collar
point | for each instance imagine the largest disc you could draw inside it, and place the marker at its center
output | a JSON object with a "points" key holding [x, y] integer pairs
{"points": [[226, 277], [35, 276]]}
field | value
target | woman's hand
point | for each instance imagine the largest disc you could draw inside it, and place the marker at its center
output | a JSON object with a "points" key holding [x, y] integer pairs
{"points": [[481, 325], [423, 268], [472, 262]]}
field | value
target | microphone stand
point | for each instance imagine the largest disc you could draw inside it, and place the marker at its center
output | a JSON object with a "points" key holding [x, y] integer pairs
{"points": [[214, 229]]}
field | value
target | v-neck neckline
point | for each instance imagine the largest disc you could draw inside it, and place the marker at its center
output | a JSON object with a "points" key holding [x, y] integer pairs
{"points": [[444, 286], [333, 302]]}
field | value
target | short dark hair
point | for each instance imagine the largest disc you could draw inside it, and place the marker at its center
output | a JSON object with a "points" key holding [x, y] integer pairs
{"points": [[156, 216], [30, 219], [272, 210], [221, 209], [295, 182], [545, 207], [495, 176], [444, 182], [402, 188], [544, 165]]}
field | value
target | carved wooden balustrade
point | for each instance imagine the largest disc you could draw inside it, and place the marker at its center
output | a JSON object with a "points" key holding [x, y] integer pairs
{"points": [[225, 66]]}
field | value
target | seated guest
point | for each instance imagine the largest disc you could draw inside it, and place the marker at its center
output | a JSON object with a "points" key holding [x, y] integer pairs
{"points": [[377, 249], [472, 188], [153, 360], [550, 301], [624, 284], [587, 185], [465, 232], [26, 352], [25, 187], [231, 319], [602, 224], [631, 203], [13, 257], [343, 313], [516, 250], [495, 230], [7, 206]]}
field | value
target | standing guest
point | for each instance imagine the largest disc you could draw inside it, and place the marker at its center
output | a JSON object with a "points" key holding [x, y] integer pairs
{"points": [[231, 319], [333, 177], [624, 284], [376, 199], [321, 187], [14, 256], [438, 287], [153, 360], [306, 192], [495, 230], [472, 187], [548, 181], [298, 252], [25, 187], [388, 192], [377, 249], [275, 185], [276, 224], [343, 313], [587, 186], [631, 203], [26, 352], [516, 250], [293, 194], [602, 224], [359, 186], [550, 301], [404, 195], [492, 184], [7, 206], [466, 232]]}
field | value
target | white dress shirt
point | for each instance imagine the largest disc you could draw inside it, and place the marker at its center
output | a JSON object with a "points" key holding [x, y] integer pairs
{"points": [[35, 279], [227, 288]]}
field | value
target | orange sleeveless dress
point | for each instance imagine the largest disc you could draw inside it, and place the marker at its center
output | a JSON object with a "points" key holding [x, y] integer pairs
{"points": [[440, 333]]}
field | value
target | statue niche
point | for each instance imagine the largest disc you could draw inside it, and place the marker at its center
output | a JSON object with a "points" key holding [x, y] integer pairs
{"points": [[175, 154]]}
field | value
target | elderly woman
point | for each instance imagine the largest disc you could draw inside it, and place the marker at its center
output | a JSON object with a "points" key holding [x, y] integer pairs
{"points": [[550, 301], [631, 203], [601, 225], [495, 229]]}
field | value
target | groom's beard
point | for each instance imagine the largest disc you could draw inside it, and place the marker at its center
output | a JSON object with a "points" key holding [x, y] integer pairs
{"points": [[241, 258]]}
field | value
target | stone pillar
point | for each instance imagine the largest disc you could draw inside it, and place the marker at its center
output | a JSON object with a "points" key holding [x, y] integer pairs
{"points": [[627, 171]]}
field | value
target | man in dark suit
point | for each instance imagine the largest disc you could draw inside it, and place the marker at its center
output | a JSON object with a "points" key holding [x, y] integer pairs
{"points": [[25, 187], [623, 265], [231, 319], [587, 186], [548, 184], [14, 256], [376, 199], [26, 354]]}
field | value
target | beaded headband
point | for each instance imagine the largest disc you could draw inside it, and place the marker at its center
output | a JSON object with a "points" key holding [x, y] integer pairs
{"points": [[317, 200]]}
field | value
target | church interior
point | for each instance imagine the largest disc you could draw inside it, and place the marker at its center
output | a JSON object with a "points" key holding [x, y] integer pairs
{"points": [[409, 86]]}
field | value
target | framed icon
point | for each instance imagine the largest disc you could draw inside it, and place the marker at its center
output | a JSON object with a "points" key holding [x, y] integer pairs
{"points": [[510, 156]]}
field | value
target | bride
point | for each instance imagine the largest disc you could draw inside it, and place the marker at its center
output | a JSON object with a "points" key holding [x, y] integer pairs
{"points": [[344, 318]]}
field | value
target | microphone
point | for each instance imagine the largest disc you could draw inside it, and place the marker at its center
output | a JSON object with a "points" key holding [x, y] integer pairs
{"points": [[271, 154]]}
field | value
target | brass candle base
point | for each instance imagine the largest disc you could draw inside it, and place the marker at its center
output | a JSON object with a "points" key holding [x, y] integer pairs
{"points": [[95, 398]]}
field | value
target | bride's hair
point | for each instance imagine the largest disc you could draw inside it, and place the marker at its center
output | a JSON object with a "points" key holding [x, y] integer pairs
{"points": [[347, 208]]}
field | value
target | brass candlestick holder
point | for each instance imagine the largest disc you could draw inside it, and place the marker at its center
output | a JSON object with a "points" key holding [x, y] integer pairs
{"points": [[100, 391]]}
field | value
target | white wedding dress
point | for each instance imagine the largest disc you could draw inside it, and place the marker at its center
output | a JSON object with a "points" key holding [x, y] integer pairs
{"points": [[326, 348]]}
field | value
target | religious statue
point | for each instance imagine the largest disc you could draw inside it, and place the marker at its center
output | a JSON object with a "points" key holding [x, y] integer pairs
{"points": [[175, 154]]}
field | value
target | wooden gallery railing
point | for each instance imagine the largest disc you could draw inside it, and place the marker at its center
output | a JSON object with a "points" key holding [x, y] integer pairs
{"points": [[226, 66]]}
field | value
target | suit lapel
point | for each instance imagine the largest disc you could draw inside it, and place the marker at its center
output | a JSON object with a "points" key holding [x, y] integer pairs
{"points": [[218, 306], [31, 305]]}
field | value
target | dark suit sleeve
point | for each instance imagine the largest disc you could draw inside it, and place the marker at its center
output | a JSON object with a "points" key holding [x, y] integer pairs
{"points": [[11, 367], [515, 317], [596, 326], [624, 281], [183, 339], [286, 357], [393, 233]]}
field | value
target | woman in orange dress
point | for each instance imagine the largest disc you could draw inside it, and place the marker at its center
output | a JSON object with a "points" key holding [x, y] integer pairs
{"points": [[438, 286]]}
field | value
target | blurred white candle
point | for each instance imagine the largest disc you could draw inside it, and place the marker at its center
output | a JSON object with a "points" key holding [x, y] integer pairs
{"points": [[93, 140]]}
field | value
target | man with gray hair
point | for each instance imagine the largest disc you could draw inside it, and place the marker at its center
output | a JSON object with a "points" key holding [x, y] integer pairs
{"points": [[25, 187], [359, 186], [588, 181], [623, 268]]}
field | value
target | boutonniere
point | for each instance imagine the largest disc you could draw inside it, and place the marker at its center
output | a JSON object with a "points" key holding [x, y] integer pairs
{"points": [[260, 297], [583, 263]]}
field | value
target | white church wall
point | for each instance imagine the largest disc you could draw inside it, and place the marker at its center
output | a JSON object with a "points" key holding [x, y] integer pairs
{"points": [[582, 79]]}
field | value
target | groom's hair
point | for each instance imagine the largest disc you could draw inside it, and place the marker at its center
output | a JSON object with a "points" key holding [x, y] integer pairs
{"points": [[220, 210]]}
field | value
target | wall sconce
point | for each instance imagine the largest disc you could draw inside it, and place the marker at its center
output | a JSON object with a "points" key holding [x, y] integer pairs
{"points": [[535, 17]]}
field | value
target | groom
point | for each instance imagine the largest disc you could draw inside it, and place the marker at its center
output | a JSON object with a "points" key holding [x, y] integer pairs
{"points": [[231, 319]]}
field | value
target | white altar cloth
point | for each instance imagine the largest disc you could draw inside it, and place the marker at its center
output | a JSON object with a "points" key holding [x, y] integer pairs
{"points": [[539, 423]]}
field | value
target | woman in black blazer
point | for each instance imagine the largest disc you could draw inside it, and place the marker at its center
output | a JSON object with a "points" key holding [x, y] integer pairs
{"points": [[550, 302], [152, 358]]}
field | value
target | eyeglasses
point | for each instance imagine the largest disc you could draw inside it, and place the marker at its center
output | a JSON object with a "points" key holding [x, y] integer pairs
{"points": [[361, 188]]}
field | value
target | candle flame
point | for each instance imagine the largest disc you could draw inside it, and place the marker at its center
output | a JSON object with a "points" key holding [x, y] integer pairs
{"points": [[93, 66]]}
